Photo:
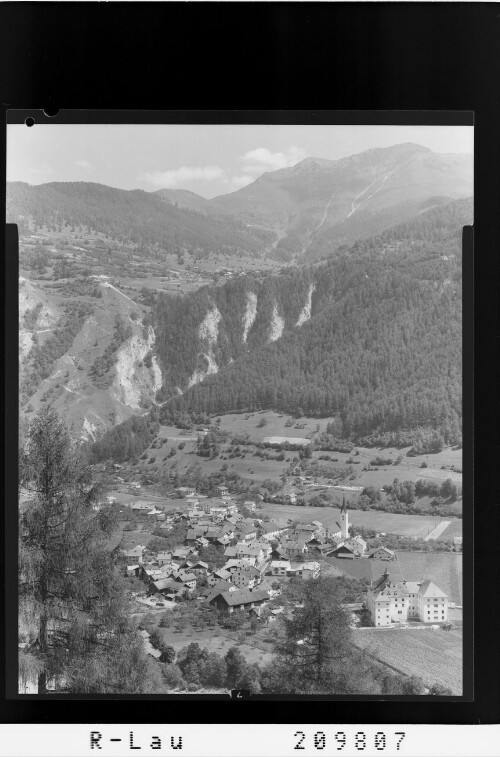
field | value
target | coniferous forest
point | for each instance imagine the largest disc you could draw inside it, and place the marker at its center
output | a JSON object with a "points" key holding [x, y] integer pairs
{"points": [[381, 350]]}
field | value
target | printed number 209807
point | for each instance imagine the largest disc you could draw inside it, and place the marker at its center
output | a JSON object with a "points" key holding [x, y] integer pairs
{"points": [[359, 740]]}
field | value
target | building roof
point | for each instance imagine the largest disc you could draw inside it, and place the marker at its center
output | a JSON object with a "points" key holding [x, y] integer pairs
{"points": [[244, 596], [138, 550], [241, 563], [185, 577], [306, 527], [221, 588], [294, 544], [379, 549], [280, 563], [221, 573], [429, 589], [164, 583]]}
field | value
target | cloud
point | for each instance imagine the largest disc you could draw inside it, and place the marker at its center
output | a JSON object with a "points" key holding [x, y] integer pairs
{"points": [[179, 176], [256, 162], [83, 164]]}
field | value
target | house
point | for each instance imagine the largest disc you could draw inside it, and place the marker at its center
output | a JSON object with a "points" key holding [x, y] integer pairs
{"points": [[141, 508], [202, 542], [305, 530], [304, 570], [382, 553], [182, 553], [162, 586], [186, 579], [249, 505], [279, 567], [348, 550], [241, 599], [271, 531], [133, 570], [222, 490], [223, 540], [134, 554], [398, 601], [163, 557], [278, 553], [357, 540], [218, 575], [198, 567], [243, 575], [246, 532], [294, 547], [324, 550], [220, 587], [264, 545]]}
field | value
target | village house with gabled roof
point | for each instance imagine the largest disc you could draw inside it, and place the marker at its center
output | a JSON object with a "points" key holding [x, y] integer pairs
{"points": [[271, 531], [304, 570], [241, 599], [382, 553], [391, 601], [163, 558], [279, 567], [134, 554], [218, 575], [294, 547], [243, 575]]}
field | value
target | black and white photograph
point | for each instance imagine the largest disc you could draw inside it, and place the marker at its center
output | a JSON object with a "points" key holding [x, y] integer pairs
{"points": [[240, 407]]}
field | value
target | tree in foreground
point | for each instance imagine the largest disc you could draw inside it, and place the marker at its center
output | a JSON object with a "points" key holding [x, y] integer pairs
{"points": [[316, 656], [72, 601]]}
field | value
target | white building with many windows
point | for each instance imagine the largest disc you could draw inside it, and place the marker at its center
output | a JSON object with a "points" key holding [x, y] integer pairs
{"points": [[398, 601]]}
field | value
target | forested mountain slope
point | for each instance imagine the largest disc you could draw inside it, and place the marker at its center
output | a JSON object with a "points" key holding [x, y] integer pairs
{"points": [[141, 217], [371, 337], [318, 204]]}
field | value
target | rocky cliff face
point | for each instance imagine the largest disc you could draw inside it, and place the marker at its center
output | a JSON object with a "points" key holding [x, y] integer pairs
{"points": [[89, 405]]}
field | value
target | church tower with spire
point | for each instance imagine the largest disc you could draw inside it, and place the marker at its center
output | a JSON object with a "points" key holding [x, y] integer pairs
{"points": [[344, 520]]}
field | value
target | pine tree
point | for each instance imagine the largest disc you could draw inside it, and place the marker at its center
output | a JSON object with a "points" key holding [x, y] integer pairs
{"points": [[315, 656], [73, 611]]}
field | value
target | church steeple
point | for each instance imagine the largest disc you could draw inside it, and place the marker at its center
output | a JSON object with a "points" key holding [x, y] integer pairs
{"points": [[344, 520]]}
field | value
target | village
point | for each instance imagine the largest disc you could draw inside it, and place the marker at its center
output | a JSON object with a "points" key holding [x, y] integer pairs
{"points": [[256, 557]]}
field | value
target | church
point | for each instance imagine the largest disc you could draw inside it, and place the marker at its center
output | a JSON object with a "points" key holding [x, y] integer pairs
{"points": [[391, 601]]}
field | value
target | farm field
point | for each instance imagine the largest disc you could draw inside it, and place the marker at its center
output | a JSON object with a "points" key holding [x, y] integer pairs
{"points": [[443, 568], [436, 656], [391, 523], [239, 423], [408, 469], [255, 469]]}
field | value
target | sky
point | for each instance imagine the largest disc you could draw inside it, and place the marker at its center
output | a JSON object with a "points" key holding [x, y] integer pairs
{"points": [[207, 159]]}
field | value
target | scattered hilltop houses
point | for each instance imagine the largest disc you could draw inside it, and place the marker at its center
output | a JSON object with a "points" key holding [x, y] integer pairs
{"points": [[390, 601]]}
